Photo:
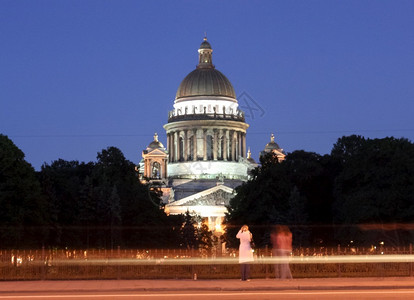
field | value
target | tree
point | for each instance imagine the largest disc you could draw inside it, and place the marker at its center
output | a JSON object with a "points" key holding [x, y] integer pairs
{"points": [[195, 234], [87, 212], [144, 223], [260, 202], [296, 192], [375, 186], [188, 232], [64, 184], [23, 216], [298, 217]]}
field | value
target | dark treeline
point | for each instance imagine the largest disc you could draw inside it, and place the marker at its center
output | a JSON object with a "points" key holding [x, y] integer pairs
{"points": [[89, 205], [361, 194]]}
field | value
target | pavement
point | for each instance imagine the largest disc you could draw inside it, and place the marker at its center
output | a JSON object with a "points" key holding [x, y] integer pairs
{"points": [[85, 286]]}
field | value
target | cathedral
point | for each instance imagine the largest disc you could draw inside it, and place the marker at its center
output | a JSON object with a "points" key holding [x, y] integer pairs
{"points": [[206, 156]]}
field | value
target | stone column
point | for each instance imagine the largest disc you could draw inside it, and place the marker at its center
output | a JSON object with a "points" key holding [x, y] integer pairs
{"points": [[244, 144], [164, 168], [224, 144], [215, 142], [168, 145], [231, 138], [195, 144], [146, 163], [176, 146], [239, 141], [204, 144], [171, 155], [185, 144], [170, 151], [236, 145]]}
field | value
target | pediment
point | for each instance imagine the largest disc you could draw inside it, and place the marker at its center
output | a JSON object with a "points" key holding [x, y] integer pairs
{"points": [[155, 152], [215, 196], [218, 198]]}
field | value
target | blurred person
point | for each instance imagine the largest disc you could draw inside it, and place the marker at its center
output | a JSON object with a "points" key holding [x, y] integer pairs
{"points": [[282, 247], [245, 251]]}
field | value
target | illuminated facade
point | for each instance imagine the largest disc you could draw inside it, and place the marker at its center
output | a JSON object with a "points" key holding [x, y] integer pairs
{"points": [[206, 153], [272, 146], [154, 161]]}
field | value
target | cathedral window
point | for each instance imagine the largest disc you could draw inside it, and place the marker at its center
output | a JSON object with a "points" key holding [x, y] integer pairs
{"points": [[156, 170]]}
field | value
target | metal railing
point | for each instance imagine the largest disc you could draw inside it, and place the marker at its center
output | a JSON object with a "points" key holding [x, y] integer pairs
{"points": [[174, 117]]}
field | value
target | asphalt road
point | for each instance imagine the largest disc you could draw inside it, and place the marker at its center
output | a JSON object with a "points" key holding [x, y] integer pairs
{"points": [[236, 295]]}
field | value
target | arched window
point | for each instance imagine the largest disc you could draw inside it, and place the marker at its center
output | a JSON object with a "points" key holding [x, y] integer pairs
{"points": [[156, 170]]}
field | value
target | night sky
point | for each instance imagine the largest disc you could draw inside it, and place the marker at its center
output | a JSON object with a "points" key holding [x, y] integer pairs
{"points": [[79, 76]]}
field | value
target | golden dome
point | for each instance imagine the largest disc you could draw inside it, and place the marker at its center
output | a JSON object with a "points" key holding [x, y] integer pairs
{"points": [[205, 80]]}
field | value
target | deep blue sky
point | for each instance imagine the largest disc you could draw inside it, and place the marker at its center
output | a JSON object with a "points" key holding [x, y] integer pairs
{"points": [[79, 76]]}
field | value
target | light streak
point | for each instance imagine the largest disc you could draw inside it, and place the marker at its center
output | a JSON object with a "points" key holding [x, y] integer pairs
{"points": [[333, 259], [210, 294]]}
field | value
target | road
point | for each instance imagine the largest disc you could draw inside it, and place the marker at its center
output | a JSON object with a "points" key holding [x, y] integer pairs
{"points": [[237, 295]]}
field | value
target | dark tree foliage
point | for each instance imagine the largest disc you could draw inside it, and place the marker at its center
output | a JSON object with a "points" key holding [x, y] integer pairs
{"points": [[295, 192], [188, 232], [256, 202], [23, 213], [64, 184], [375, 187], [195, 234], [363, 191], [104, 205]]}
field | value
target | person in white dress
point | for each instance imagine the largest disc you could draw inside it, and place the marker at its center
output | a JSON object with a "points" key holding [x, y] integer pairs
{"points": [[245, 252]]}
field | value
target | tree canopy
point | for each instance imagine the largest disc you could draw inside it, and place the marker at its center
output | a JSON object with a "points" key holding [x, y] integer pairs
{"points": [[363, 191], [375, 186], [23, 213], [330, 199], [103, 204]]}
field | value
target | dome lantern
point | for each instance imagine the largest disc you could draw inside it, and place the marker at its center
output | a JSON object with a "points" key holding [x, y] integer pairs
{"points": [[155, 144], [205, 55], [272, 145], [205, 80]]}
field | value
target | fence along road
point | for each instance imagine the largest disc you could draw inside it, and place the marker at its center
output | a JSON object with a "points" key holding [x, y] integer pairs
{"points": [[181, 264]]}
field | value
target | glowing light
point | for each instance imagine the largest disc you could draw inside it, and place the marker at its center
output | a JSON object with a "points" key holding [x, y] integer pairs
{"points": [[233, 259], [218, 227]]}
